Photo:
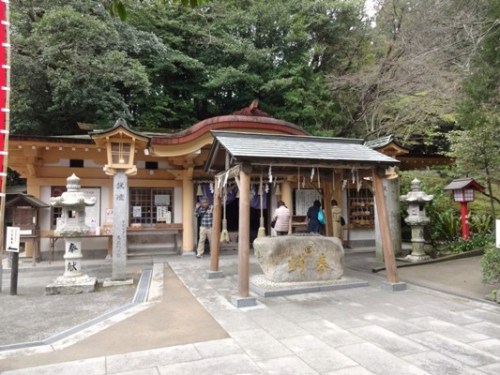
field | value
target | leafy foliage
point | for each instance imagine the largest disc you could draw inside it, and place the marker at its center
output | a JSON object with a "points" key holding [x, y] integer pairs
{"points": [[476, 148], [491, 265], [71, 64], [169, 65], [320, 64], [478, 241]]}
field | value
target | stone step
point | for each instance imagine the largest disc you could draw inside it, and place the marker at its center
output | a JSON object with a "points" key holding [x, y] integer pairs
{"points": [[151, 253], [149, 249]]}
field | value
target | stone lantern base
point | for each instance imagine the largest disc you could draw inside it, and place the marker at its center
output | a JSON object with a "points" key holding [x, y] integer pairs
{"points": [[71, 285], [416, 258]]}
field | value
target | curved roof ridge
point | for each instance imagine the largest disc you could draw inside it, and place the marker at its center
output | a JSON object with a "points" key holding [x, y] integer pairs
{"points": [[229, 122]]}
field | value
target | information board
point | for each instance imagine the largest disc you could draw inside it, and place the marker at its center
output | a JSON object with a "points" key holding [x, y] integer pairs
{"points": [[93, 213], [13, 238]]}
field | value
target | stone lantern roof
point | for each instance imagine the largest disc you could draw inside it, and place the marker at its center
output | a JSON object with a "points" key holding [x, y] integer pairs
{"points": [[73, 197], [416, 195]]}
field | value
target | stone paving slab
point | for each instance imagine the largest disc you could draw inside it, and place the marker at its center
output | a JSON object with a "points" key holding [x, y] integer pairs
{"points": [[358, 331]]}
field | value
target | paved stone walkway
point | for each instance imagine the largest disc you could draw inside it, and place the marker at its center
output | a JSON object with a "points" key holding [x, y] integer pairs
{"points": [[365, 330]]}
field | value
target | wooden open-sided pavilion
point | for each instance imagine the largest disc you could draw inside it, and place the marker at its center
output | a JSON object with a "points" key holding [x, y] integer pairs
{"points": [[246, 156]]}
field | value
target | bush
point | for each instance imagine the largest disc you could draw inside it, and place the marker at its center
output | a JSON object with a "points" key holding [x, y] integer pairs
{"points": [[481, 224], [478, 241], [491, 264], [445, 226]]}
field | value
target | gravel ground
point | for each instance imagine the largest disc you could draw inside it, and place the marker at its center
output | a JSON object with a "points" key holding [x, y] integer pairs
{"points": [[32, 316]]}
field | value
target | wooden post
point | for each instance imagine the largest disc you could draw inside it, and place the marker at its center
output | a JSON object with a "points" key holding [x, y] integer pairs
{"points": [[110, 248], [244, 236], [286, 194], [216, 229], [13, 273], [327, 207], [389, 257], [188, 212], [286, 197]]}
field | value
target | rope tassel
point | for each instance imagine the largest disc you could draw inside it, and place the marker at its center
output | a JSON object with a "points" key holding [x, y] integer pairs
{"points": [[278, 190], [224, 234], [262, 229]]}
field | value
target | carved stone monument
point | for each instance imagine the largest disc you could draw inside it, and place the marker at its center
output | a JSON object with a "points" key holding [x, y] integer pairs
{"points": [[300, 258], [417, 219], [73, 203]]}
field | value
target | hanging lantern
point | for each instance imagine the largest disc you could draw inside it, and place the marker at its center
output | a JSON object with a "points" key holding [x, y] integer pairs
{"points": [[199, 192]]}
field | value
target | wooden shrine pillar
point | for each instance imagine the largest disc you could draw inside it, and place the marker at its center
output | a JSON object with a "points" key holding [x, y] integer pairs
{"points": [[286, 194], [327, 202], [287, 198], [389, 257], [188, 212], [216, 230], [244, 236]]}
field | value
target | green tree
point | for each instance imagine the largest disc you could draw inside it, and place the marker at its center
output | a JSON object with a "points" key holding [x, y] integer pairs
{"points": [[477, 147], [71, 64], [227, 53], [419, 51]]}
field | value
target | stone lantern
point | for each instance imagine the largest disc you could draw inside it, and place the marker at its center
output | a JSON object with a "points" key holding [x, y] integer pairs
{"points": [[72, 227], [417, 219]]}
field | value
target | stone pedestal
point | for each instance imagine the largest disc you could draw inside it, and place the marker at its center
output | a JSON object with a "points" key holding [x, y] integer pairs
{"points": [[72, 257], [71, 285], [417, 245], [73, 281]]}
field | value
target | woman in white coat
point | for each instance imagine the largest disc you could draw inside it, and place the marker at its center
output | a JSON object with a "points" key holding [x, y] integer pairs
{"points": [[282, 218]]}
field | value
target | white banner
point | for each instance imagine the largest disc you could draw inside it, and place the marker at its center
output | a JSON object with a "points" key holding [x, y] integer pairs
{"points": [[13, 239]]}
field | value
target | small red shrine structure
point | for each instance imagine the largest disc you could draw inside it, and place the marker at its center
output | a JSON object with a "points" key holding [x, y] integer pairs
{"points": [[463, 192]]}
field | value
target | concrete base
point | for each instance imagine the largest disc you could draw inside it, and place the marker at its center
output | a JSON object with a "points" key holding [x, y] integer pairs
{"points": [[240, 302], [71, 285], [109, 282], [416, 258], [215, 275], [265, 288], [394, 287]]}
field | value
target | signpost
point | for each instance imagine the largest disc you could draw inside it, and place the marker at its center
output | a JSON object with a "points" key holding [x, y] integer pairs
{"points": [[12, 245]]}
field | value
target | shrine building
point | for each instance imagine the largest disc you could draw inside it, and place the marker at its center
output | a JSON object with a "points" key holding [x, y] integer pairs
{"points": [[167, 175]]}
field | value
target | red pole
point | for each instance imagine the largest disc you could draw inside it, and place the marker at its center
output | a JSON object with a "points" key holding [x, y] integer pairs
{"points": [[4, 115], [465, 220], [4, 107]]}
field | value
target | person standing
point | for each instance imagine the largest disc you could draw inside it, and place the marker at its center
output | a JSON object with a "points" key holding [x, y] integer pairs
{"points": [[204, 211], [337, 219], [282, 218], [313, 224]]}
